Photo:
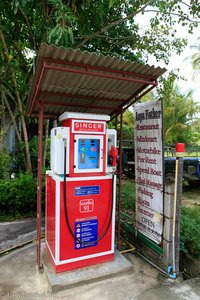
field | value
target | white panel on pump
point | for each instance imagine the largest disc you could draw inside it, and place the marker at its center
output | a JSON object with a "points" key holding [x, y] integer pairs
{"points": [[111, 140], [84, 116], [58, 134]]}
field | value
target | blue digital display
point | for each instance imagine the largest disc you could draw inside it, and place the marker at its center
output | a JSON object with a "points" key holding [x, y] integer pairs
{"points": [[88, 153], [86, 234]]}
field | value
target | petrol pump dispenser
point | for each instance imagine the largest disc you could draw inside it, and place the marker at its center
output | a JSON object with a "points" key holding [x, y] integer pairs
{"points": [[80, 192]]}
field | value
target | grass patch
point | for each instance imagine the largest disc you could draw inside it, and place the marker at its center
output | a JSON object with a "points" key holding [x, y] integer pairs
{"points": [[191, 193], [190, 229], [128, 195], [190, 217]]}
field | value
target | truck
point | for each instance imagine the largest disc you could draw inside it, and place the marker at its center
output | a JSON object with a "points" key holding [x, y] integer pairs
{"points": [[191, 162]]}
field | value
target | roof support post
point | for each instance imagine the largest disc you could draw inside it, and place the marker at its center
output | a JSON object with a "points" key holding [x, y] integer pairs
{"points": [[116, 121], [120, 179], [37, 89], [39, 186]]}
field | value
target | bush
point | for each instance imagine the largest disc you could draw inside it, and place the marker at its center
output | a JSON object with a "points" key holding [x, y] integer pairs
{"points": [[190, 230], [128, 195], [5, 161], [18, 157], [18, 196]]}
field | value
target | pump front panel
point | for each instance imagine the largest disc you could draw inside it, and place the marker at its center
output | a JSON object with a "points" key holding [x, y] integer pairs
{"points": [[80, 198], [88, 235], [90, 217], [87, 148]]}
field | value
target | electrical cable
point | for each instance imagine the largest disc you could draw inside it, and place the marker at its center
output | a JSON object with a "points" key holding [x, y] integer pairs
{"points": [[65, 206]]}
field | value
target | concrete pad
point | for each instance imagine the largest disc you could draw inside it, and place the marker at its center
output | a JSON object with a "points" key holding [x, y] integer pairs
{"points": [[73, 278], [186, 290], [20, 279]]}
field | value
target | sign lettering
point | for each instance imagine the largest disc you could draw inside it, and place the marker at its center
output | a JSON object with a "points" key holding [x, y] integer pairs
{"points": [[149, 169], [88, 126], [86, 205]]}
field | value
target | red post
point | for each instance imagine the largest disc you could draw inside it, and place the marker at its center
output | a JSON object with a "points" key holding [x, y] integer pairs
{"points": [[120, 177], [39, 187], [180, 149]]}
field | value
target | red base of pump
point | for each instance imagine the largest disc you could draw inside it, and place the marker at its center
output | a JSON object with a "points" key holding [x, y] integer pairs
{"points": [[90, 212], [79, 264]]}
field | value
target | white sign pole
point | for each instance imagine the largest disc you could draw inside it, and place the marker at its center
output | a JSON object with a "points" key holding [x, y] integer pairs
{"points": [[149, 169]]}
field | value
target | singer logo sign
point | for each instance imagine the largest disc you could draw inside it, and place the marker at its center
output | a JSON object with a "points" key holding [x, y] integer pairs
{"points": [[88, 126]]}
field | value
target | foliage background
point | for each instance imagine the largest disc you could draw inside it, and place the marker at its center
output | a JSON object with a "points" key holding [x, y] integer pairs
{"points": [[104, 26]]}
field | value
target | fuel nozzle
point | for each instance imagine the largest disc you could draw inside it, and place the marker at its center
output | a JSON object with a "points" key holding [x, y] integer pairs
{"points": [[65, 141], [114, 155]]}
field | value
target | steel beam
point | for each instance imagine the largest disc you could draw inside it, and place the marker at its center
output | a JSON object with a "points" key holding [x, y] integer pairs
{"points": [[103, 75], [77, 96], [97, 68], [136, 98], [37, 89], [120, 179], [77, 105], [39, 186]]}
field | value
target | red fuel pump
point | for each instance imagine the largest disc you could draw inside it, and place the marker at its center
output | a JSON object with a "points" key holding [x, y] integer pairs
{"points": [[80, 192]]}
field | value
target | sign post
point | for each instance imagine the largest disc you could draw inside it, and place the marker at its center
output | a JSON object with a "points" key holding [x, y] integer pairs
{"points": [[149, 169], [173, 269]]}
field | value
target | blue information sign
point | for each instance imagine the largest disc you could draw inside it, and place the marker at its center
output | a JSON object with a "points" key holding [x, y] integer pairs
{"points": [[87, 190], [86, 234]]}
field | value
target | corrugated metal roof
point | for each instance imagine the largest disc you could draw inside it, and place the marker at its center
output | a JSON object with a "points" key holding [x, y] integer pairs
{"points": [[71, 80]]}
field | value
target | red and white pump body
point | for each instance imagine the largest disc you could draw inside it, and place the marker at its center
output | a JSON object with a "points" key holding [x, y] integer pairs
{"points": [[81, 192]]}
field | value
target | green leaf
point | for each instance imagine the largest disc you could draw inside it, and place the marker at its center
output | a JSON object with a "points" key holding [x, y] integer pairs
{"points": [[71, 36]]}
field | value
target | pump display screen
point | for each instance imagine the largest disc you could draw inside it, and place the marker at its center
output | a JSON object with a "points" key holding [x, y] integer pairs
{"points": [[88, 153]]}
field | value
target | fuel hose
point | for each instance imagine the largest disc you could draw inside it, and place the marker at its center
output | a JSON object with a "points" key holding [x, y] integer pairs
{"points": [[65, 205]]}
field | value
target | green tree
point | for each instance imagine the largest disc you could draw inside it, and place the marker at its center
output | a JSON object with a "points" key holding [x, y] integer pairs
{"points": [[195, 58], [104, 26], [195, 128], [179, 112], [128, 125], [13, 80]]}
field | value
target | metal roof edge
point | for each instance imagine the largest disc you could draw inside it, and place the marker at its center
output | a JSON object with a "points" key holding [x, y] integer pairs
{"points": [[97, 55]]}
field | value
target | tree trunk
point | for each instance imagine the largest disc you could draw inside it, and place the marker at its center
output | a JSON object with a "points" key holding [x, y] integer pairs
{"points": [[4, 126], [2, 140], [12, 118], [27, 151]]}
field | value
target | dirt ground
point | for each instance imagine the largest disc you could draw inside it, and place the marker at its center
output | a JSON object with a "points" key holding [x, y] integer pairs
{"points": [[191, 197]]}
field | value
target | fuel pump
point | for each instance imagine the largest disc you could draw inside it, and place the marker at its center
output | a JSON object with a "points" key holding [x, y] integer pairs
{"points": [[80, 192]]}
